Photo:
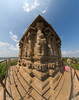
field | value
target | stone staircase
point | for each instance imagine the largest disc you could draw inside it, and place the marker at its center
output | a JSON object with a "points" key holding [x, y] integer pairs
{"points": [[17, 85], [20, 86], [64, 87]]}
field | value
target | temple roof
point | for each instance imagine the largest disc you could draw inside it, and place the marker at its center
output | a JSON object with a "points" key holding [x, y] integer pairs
{"points": [[39, 18]]}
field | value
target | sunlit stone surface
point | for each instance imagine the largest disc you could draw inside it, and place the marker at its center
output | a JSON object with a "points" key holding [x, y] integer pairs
{"points": [[40, 56]]}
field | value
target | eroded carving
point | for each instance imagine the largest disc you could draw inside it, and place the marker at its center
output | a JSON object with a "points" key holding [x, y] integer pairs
{"points": [[40, 47], [40, 56]]}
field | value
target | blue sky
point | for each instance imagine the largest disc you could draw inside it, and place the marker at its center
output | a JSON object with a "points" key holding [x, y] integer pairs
{"points": [[17, 15]]}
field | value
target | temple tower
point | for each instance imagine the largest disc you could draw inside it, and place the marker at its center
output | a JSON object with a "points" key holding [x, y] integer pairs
{"points": [[40, 56]]}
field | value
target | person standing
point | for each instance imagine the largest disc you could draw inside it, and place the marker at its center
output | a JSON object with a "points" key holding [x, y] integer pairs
{"points": [[64, 66]]}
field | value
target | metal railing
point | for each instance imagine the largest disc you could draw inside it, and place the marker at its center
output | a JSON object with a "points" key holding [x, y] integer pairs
{"points": [[72, 97], [4, 83], [7, 64]]}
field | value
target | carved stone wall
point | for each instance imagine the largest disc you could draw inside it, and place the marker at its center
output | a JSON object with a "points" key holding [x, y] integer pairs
{"points": [[40, 51], [40, 46]]}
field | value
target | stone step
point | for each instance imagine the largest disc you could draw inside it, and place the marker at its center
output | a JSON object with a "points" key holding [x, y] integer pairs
{"points": [[55, 78], [13, 87], [66, 88], [59, 77], [27, 70], [23, 80], [31, 92], [35, 95], [47, 95], [19, 85], [27, 97], [27, 77], [27, 87], [59, 86], [7, 86], [15, 93]]}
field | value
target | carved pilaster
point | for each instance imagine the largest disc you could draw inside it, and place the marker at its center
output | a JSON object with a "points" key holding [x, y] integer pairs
{"points": [[20, 49], [50, 47], [28, 45], [40, 26], [54, 46], [41, 41], [59, 48]]}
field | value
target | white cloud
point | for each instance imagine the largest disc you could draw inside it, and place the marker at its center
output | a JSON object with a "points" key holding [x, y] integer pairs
{"points": [[27, 7], [77, 51], [44, 11], [64, 52], [16, 48], [3, 44], [70, 53], [41, 6], [8, 54], [36, 3], [8, 50], [13, 37]]}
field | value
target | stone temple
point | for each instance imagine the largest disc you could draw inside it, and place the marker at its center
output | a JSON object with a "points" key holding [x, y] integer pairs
{"points": [[39, 74], [40, 57]]}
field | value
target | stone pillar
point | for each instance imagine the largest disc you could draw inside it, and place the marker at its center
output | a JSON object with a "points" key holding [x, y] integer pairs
{"points": [[52, 90], [20, 50], [59, 51], [30, 49], [50, 51], [59, 48], [25, 47], [54, 46], [41, 41]]}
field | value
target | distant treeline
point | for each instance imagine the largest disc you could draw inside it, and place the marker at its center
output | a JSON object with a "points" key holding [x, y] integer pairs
{"points": [[3, 68], [73, 62], [71, 58], [8, 58]]}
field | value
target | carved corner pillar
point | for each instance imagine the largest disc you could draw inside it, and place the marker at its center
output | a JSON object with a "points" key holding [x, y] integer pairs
{"points": [[52, 89], [25, 46], [29, 50], [59, 48], [19, 52], [41, 41], [54, 46], [50, 49], [20, 49]]}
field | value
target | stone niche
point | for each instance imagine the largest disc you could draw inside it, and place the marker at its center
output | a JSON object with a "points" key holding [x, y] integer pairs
{"points": [[40, 52]]}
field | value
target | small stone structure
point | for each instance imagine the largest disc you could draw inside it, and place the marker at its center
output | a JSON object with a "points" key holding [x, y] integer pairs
{"points": [[40, 55]]}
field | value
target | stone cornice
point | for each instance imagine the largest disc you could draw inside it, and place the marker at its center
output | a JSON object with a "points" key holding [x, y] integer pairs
{"points": [[29, 29], [39, 18]]}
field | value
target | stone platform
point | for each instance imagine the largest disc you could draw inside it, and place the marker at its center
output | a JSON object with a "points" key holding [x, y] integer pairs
{"points": [[29, 88]]}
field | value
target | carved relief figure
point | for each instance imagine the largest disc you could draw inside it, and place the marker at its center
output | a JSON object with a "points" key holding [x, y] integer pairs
{"points": [[40, 46], [20, 51], [41, 41]]}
